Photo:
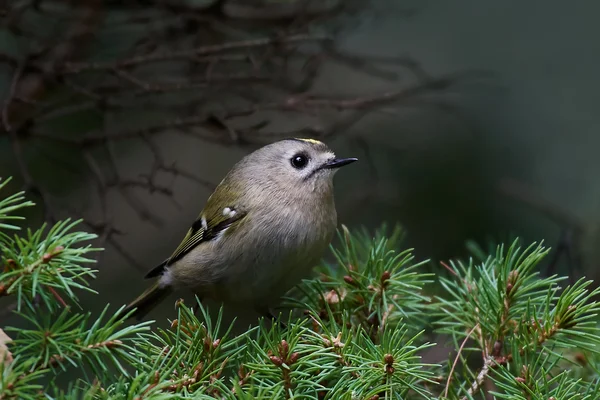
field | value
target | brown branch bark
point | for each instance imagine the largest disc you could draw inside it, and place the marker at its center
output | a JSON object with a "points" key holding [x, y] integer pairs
{"points": [[32, 85], [73, 68], [488, 364]]}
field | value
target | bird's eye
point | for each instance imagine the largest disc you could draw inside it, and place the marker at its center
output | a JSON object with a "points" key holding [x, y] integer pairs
{"points": [[299, 161]]}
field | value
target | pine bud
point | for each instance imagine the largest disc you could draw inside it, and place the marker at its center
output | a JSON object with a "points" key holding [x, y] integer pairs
{"points": [[389, 359], [384, 277], [497, 348], [284, 348], [276, 360], [349, 280]]}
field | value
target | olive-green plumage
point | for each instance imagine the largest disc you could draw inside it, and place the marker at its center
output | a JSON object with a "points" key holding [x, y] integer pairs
{"points": [[261, 231]]}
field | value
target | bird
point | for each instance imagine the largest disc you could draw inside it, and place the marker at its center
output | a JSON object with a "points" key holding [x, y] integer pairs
{"points": [[262, 230]]}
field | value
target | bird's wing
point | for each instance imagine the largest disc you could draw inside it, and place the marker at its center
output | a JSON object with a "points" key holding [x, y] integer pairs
{"points": [[203, 230], [206, 227], [222, 211], [209, 224]]}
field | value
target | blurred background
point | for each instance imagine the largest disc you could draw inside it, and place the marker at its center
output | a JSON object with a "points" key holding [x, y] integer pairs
{"points": [[472, 120]]}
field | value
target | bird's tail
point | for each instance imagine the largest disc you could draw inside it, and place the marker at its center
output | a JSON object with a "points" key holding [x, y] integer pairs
{"points": [[147, 301]]}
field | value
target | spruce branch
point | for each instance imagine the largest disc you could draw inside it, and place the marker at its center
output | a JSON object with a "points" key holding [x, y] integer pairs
{"points": [[59, 340], [42, 263], [371, 282], [358, 331], [516, 315], [8, 205], [488, 364]]}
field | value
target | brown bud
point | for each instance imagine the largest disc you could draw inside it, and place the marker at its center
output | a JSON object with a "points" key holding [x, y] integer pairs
{"points": [[385, 276], [497, 348], [207, 344], [332, 297], [520, 379], [113, 343], [284, 348], [174, 324], [198, 370], [389, 369], [216, 343], [349, 280], [524, 371], [389, 359], [509, 287], [374, 397], [10, 265], [580, 358], [276, 360], [49, 256], [293, 357]]}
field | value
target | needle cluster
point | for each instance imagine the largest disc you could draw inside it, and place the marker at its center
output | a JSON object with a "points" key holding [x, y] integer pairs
{"points": [[363, 328]]}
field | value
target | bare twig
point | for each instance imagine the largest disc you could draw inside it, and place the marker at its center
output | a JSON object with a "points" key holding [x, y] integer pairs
{"points": [[72, 68], [32, 85], [292, 103], [224, 92], [488, 364], [460, 349]]}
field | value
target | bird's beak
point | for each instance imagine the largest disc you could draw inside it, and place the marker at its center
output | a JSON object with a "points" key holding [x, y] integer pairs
{"points": [[339, 162]]}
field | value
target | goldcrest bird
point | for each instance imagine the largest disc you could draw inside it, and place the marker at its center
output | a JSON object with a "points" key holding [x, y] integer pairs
{"points": [[265, 226]]}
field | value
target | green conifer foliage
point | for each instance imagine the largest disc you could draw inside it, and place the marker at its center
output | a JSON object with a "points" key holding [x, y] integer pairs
{"points": [[358, 330]]}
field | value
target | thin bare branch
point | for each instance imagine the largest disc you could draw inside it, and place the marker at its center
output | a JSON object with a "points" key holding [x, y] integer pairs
{"points": [[460, 349], [73, 68]]}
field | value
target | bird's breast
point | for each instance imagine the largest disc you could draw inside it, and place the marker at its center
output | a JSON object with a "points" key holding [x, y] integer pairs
{"points": [[283, 248], [270, 251]]}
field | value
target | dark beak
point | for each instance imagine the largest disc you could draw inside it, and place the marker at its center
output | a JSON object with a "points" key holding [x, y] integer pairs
{"points": [[339, 162]]}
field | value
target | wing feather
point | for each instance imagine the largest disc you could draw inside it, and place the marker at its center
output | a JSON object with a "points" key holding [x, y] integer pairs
{"points": [[204, 230]]}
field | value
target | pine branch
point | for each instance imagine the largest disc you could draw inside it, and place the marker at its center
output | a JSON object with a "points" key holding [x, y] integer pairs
{"points": [[43, 262], [358, 331]]}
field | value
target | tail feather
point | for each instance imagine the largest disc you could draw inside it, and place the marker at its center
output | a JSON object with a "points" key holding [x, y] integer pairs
{"points": [[145, 302]]}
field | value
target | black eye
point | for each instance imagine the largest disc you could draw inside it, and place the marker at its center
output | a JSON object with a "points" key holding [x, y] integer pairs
{"points": [[299, 161]]}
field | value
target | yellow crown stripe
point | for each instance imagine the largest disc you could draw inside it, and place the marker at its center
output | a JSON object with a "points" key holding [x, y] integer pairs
{"points": [[313, 141]]}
